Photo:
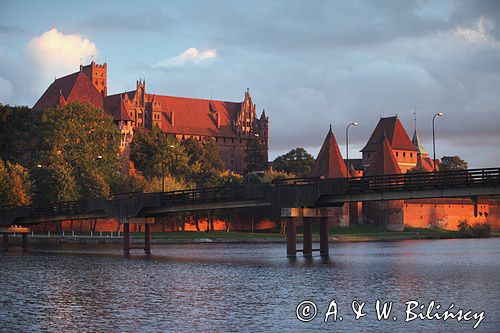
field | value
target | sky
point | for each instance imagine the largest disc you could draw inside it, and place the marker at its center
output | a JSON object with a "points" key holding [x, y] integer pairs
{"points": [[307, 63]]}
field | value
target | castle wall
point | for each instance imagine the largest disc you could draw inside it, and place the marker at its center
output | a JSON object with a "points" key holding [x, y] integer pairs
{"points": [[426, 214]]}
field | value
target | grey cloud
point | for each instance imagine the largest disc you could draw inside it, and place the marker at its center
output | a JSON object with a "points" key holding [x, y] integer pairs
{"points": [[153, 20]]}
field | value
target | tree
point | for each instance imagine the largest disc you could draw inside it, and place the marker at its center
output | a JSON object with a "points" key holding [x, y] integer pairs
{"points": [[157, 155], [15, 184], [297, 161], [75, 154], [449, 163], [16, 133], [255, 154], [205, 163], [417, 169]]}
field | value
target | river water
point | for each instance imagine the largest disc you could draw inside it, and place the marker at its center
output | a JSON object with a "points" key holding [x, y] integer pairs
{"points": [[246, 287]]}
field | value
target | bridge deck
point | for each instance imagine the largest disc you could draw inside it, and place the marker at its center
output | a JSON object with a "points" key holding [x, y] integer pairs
{"points": [[296, 192]]}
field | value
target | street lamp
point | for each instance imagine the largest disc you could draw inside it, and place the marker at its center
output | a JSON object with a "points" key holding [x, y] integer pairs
{"points": [[347, 144], [99, 157], [434, 138], [163, 173]]}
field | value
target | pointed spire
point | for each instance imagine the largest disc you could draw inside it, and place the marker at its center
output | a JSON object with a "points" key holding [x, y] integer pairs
{"points": [[384, 162], [416, 139], [329, 163]]}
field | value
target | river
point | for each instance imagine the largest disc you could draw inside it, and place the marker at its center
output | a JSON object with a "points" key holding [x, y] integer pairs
{"points": [[246, 287]]}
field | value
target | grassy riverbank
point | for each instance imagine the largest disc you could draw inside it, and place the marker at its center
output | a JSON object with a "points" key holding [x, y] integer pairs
{"points": [[347, 234]]}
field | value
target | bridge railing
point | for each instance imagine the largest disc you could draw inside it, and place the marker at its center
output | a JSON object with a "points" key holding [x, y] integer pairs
{"points": [[399, 182], [66, 207], [238, 192]]}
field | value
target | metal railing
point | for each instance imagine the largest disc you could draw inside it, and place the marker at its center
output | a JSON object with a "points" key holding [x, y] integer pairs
{"points": [[402, 182]]}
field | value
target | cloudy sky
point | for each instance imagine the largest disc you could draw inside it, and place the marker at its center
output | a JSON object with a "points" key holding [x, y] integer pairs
{"points": [[307, 63]]}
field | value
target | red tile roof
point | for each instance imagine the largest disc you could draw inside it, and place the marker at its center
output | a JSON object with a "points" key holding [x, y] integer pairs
{"points": [[115, 107], [425, 162], [197, 116], [329, 163], [384, 162], [396, 134], [75, 87]]}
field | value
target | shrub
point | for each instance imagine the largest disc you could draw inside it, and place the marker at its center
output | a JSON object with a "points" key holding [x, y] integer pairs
{"points": [[477, 230]]}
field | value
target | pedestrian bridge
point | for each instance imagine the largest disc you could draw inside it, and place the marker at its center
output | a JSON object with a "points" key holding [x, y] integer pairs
{"points": [[139, 207], [285, 193]]}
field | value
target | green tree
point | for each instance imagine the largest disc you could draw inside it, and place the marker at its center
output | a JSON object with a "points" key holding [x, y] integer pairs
{"points": [[417, 169], [16, 133], [449, 163], [157, 155], [15, 184], [255, 154], [76, 153], [297, 161], [205, 163]]}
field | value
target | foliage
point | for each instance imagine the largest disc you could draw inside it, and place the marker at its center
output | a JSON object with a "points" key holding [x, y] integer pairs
{"points": [[205, 163], [15, 184], [417, 169], [16, 133], [255, 154], [155, 154], [477, 230], [77, 148], [297, 161], [449, 163]]}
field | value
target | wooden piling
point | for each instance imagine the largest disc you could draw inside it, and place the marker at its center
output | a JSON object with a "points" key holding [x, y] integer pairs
{"points": [[291, 236], [307, 242], [126, 239], [324, 248], [147, 238], [24, 241], [5, 241]]}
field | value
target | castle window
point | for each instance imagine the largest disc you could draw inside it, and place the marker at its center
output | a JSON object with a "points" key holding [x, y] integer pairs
{"points": [[216, 139], [397, 153], [411, 154], [224, 139], [404, 154], [241, 141], [368, 155]]}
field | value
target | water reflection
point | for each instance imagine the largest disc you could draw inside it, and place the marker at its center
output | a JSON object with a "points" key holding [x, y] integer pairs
{"points": [[242, 287]]}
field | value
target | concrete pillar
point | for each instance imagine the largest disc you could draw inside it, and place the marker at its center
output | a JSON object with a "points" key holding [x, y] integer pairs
{"points": [[5, 241], [25, 241], [126, 239], [291, 236], [307, 243], [324, 247], [147, 238]]}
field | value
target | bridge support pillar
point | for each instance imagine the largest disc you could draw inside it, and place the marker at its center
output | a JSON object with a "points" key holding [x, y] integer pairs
{"points": [[291, 236], [147, 238], [307, 237], [5, 241], [324, 246], [24, 243], [126, 239]]}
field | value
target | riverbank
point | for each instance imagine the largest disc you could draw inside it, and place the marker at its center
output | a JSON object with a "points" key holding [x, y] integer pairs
{"points": [[356, 233]]}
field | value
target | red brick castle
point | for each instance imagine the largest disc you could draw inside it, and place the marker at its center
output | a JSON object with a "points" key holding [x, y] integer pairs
{"points": [[229, 124]]}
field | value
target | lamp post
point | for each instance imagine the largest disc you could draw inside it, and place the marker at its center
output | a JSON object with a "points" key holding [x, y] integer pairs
{"points": [[434, 138], [347, 144]]}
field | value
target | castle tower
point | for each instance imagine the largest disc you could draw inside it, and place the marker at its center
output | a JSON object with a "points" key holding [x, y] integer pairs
{"points": [[403, 149], [329, 163], [98, 75], [388, 214]]}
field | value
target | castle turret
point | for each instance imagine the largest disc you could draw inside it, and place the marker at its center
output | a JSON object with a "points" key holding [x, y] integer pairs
{"points": [[329, 163], [98, 75]]}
